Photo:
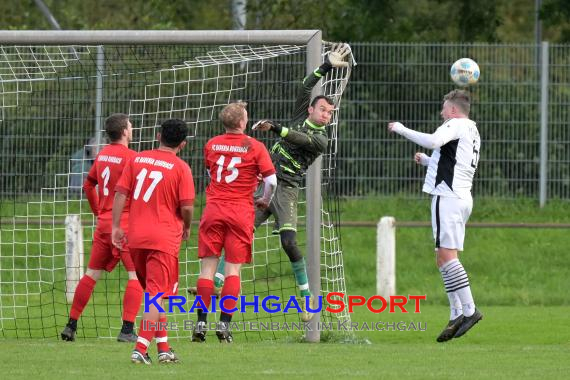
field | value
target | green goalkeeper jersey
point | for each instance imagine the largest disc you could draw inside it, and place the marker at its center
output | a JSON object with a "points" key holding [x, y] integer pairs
{"points": [[304, 141]]}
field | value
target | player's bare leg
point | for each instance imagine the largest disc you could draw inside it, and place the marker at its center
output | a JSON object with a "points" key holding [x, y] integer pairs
{"points": [[218, 279]]}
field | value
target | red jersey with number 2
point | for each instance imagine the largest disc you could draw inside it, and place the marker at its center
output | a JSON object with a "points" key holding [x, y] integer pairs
{"points": [[234, 162], [159, 183]]}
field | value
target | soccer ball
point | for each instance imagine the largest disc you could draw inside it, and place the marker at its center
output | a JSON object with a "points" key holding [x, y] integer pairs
{"points": [[464, 72]]}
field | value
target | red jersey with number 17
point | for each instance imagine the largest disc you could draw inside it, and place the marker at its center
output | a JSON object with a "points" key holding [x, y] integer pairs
{"points": [[159, 183], [105, 174], [234, 161]]}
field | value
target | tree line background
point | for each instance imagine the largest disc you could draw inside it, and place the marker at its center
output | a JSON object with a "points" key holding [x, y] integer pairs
{"points": [[508, 100], [340, 20]]}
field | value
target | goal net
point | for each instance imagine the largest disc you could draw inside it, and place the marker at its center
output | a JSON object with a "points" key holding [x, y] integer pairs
{"points": [[53, 103]]}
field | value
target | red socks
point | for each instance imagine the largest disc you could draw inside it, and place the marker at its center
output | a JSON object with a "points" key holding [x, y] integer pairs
{"points": [[132, 300], [162, 336], [231, 288], [82, 294], [147, 331], [205, 289]]}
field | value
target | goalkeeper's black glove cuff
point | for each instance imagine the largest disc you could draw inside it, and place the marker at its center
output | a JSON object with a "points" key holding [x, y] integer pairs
{"points": [[276, 128], [325, 67]]}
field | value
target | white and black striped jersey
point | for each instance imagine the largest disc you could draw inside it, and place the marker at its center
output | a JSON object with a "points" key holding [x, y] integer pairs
{"points": [[452, 166]]}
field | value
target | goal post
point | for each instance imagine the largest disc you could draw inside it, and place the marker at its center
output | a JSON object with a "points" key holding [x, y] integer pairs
{"points": [[66, 82], [314, 204]]}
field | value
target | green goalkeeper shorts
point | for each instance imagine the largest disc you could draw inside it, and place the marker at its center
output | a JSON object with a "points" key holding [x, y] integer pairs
{"points": [[283, 207]]}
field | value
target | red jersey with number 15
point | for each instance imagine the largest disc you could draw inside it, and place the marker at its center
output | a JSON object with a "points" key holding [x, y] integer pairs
{"points": [[159, 183], [234, 161], [105, 174]]}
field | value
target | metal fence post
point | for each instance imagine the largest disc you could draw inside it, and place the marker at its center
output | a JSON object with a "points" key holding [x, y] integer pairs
{"points": [[99, 98], [543, 123]]}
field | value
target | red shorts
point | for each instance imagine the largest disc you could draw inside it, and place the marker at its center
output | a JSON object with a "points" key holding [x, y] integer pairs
{"points": [[157, 271], [226, 226], [106, 256]]}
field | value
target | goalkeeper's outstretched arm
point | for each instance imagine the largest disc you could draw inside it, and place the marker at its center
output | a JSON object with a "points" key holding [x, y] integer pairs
{"points": [[334, 58], [316, 143]]}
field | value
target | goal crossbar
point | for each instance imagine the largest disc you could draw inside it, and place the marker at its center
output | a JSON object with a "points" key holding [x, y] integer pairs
{"points": [[174, 37]]}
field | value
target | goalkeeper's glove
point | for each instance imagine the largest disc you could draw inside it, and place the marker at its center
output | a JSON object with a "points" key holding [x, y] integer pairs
{"points": [[335, 58], [273, 126]]}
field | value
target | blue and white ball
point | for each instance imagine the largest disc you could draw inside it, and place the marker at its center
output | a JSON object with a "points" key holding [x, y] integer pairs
{"points": [[464, 72]]}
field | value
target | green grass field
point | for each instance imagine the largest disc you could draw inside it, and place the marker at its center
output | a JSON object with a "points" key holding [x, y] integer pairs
{"points": [[522, 266], [520, 279], [510, 343]]}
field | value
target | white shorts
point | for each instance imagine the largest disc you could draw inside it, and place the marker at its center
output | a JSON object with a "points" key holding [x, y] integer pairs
{"points": [[448, 219]]}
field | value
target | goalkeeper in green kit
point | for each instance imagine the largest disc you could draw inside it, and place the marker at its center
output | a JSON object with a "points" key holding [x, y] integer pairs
{"points": [[300, 144]]}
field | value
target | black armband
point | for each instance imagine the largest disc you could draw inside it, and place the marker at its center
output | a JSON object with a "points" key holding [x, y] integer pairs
{"points": [[325, 67], [276, 128]]}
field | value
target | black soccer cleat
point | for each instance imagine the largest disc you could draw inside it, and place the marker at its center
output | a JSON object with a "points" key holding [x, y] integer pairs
{"points": [[223, 333], [449, 331], [199, 333], [167, 357], [138, 358], [468, 322], [68, 334], [194, 290], [128, 338]]}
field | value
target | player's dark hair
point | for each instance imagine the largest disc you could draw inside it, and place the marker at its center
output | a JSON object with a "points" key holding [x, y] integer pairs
{"points": [[115, 125], [319, 97], [461, 99], [173, 132]]}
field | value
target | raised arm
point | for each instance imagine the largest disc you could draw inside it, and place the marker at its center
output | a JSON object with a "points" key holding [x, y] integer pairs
{"points": [[300, 111], [335, 58], [436, 140]]}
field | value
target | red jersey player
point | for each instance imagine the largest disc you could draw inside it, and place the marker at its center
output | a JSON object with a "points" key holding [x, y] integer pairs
{"points": [[162, 196], [104, 174], [234, 162]]}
